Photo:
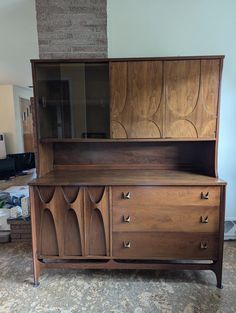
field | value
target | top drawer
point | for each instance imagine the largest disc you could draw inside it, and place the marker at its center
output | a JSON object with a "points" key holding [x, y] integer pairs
{"points": [[156, 196]]}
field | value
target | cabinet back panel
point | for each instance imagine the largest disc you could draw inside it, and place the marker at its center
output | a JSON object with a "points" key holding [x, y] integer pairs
{"points": [[197, 156]]}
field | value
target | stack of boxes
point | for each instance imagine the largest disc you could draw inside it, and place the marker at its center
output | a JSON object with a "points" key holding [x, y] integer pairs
{"points": [[17, 219], [20, 230]]}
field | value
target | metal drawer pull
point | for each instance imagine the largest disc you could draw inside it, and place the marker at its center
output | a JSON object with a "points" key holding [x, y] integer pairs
{"points": [[126, 244], [126, 195], [126, 219], [204, 219], [205, 196], [203, 245]]}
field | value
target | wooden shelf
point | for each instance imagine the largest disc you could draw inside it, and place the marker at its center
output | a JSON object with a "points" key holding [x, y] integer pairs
{"points": [[72, 140], [105, 60], [92, 177]]}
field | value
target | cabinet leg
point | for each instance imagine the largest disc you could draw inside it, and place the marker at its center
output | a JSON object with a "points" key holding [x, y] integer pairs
{"points": [[37, 271], [219, 280], [218, 273], [36, 284]]}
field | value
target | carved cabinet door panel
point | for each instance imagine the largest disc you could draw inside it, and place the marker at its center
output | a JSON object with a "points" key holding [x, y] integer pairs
{"points": [[191, 98], [97, 229], [60, 226], [136, 99], [74, 221]]}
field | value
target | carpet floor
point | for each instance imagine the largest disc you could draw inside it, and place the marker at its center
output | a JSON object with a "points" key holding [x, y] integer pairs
{"points": [[96, 291]]}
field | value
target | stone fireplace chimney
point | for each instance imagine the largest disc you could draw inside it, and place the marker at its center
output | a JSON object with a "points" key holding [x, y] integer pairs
{"points": [[72, 28]]}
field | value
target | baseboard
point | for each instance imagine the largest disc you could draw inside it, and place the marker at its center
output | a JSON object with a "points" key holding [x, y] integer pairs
{"points": [[230, 229]]}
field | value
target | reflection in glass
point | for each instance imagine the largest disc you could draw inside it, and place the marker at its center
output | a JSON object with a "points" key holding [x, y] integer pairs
{"points": [[73, 100]]}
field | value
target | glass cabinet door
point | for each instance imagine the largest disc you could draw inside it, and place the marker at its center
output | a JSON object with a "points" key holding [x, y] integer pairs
{"points": [[72, 99]]}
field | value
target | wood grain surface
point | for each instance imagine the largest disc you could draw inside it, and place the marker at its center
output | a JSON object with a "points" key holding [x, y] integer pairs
{"points": [[165, 99], [175, 218], [125, 177], [168, 196], [164, 245]]}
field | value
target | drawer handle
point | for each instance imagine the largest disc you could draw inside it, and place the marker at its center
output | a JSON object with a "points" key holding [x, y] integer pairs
{"points": [[205, 196], [126, 219], [203, 245], [126, 195], [204, 219], [126, 244]]}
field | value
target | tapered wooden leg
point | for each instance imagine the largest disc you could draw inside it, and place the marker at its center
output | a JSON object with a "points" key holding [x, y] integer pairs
{"points": [[219, 282], [36, 262], [218, 273], [37, 271], [219, 279], [219, 263]]}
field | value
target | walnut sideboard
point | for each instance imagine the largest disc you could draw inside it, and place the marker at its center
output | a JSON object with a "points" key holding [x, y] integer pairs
{"points": [[126, 153]]}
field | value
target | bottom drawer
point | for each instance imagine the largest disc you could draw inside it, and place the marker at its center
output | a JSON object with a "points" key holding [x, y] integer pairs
{"points": [[172, 246]]}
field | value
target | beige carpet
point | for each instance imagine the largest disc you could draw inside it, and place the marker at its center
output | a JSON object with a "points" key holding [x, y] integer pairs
{"points": [[112, 291]]}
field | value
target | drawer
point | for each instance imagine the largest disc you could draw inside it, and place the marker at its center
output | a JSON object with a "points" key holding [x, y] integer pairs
{"points": [[166, 218], [138, 196], [168, 246]]}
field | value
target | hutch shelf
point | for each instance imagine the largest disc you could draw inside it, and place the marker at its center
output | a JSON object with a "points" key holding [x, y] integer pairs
{"points": [[126, 153]]}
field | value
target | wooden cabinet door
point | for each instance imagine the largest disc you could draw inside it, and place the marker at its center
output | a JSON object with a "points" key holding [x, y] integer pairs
{"points": [[191, 98], [165, 99], [136, 99], [97, 229], [59, 221], [71, 221]]}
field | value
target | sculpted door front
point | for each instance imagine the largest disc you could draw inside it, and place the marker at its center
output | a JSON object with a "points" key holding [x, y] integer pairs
{"points": [[97, 229], [136, 99], [164, 99], [191, 98]]}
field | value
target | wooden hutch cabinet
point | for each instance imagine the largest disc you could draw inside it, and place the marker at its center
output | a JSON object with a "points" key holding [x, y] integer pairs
{"points": [[126, 153]]}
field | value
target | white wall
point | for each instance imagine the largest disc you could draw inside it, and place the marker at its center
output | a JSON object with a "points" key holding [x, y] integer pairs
{"points": [[18, 41], [7, 117], [184, 27], [18, 44], [10, 116]]}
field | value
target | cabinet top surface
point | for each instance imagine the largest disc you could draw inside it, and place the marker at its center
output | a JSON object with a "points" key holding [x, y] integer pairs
{"points": [[92, 177], [127, 59]]}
